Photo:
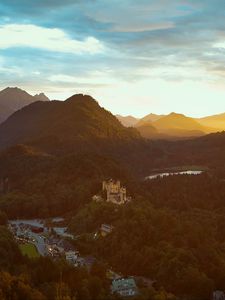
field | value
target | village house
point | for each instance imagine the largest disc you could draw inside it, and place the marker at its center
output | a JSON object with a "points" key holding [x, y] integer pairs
{"points": [[125, 287], [58, 247], [97, 198], [218, 295], [37, 229], [71, 256], [62, 232], [105, 229]]}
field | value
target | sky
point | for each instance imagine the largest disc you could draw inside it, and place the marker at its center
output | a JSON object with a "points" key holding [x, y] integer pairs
{"points": [[134, 57]]}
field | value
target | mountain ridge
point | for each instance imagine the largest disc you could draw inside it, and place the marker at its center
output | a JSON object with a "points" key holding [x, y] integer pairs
{"points": [[127, 121], [175, 126], [76, 120], [14, 98]]}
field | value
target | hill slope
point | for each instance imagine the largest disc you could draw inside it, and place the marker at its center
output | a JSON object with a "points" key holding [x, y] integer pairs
{"points": [[79, 119]]}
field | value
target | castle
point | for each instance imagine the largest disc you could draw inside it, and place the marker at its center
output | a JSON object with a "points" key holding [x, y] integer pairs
{"points": [[115, 193]]}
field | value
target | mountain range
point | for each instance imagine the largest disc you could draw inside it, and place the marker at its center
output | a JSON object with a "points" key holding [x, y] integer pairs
{"points": [[174, 126], [80, 125], [13, 99]]}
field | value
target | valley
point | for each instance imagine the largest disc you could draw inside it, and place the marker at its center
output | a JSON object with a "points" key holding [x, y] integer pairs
{"points": [[112, 150], [54, 157]]}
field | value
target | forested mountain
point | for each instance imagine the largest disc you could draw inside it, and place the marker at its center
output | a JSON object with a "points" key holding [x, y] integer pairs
{"points": [[78, 119], [80, 126], [172, 233], [12, 99], [207, 150]]}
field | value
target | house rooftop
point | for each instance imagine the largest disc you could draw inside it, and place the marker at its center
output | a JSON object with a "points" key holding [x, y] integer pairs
{"points": [[123, 284]]}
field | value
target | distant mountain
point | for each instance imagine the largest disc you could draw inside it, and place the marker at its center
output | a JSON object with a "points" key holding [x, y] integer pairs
{"points": [[170, 127], [130, 121], [146, 129], [152, 117], [216, 122], [127, 121], [41, 97], [174, 126], [12, 99], [178, 125], [4, 113]]}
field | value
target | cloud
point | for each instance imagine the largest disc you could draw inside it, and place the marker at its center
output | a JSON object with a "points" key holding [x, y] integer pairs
{"points": [[173, 41], [91, 79], [62, 78], [51, 39], [138, 27]]}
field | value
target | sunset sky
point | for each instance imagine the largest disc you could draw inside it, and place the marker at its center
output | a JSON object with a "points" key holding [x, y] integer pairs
{"points": [[134, 57]]}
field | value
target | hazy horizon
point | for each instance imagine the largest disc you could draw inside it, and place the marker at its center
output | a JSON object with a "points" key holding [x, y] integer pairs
{"points": [[115, 113]]}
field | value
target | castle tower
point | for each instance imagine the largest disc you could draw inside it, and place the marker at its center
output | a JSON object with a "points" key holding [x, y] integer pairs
{"points": [[115, 193]]}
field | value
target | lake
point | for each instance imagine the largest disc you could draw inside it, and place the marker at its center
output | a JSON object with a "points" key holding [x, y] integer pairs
{"points": [[161, 175]]}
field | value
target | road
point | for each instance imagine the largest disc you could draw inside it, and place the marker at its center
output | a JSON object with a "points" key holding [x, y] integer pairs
{"points": [[39, 243], [39, 240]]}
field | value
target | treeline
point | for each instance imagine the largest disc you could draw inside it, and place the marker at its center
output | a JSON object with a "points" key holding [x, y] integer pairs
{"points": [[43, 186]]}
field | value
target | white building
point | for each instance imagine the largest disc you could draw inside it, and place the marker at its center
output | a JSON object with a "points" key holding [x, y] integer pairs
{"points": [[105, 229], [218, 295], [71, 256], [125, 287]]}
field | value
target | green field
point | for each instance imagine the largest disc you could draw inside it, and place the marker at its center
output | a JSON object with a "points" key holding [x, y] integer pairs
{"points": [[29, 250]]}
